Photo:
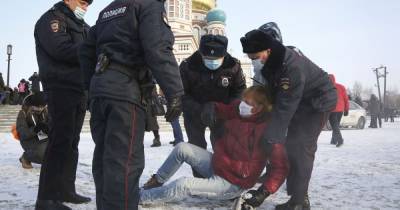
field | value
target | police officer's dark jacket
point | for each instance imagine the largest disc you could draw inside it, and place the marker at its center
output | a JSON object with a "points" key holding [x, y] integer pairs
{"points": [[133, 34], [296, 84], [203, 85], [58, 35]]}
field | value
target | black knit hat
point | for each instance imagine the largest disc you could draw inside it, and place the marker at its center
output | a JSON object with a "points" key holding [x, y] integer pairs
{"points": [[213, 45], [256, 41], [89, 1]]}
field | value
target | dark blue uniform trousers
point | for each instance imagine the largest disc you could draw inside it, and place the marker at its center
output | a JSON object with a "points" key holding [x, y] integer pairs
{"points": [[118, 161], [66, 115], [301, 145]]}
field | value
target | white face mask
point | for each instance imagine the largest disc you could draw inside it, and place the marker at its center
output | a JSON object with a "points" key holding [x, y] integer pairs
{"points": [[257, 64], [245, 109], [79, 13]]}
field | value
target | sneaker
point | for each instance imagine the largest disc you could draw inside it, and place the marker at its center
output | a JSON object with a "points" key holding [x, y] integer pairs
{"points": [[25, 163], [156, 142], [152, 183]]}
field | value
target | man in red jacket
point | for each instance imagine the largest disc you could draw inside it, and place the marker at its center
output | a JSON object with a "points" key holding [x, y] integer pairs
{"points": [[237, 161], [342, 108]]}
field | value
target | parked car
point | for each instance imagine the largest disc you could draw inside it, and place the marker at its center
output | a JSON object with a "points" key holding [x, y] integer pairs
{"points": [[357, 117]]}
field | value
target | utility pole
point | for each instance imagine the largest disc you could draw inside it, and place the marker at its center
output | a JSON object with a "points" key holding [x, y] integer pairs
{"points": [[9, 53], [378, 76], [384, 88], [378, 84]]}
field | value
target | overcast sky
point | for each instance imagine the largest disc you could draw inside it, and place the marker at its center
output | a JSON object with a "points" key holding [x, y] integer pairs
{"points": [[345, 37]]}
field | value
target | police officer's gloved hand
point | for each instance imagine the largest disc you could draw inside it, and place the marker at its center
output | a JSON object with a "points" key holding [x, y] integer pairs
{"points": [[255, 198], [346, 113], [208, 115], [174, 108], [39, 127]]}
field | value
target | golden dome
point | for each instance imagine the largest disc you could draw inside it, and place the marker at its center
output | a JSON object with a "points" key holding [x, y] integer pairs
{"points": [[204, 5]]}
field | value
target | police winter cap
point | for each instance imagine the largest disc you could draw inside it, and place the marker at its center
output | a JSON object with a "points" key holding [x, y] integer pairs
{"points": [[213, 45], [256, 41], [273, 30]]}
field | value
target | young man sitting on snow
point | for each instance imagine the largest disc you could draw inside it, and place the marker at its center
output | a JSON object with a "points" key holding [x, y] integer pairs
{"points": [[237, 162]]}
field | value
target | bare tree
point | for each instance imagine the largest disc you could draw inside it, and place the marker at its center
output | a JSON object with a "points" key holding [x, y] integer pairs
{"points": [[357, 89]]}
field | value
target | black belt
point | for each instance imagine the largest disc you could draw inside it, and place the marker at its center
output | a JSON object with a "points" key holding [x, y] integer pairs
{"points": [[131, 72]]}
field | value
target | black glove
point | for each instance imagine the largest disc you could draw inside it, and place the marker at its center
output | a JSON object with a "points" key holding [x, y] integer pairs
{"points": [[255, 198], [208, 116], [39, 127], [346, 113], [174, 109]]}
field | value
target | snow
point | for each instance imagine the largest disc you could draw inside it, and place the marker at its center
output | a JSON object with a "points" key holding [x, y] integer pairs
{"points": [[363, 174]]}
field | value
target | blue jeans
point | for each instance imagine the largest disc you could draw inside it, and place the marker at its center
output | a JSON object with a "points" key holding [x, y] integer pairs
{"points": [[211, 187], [177, 131]]}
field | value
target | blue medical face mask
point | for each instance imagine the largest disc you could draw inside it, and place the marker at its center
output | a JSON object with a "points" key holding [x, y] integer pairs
{"points": [[213, 64], [257, 64], [80, 13]]}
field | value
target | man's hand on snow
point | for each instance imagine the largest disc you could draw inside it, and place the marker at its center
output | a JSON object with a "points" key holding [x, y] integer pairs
{"points": [[255, 198]]}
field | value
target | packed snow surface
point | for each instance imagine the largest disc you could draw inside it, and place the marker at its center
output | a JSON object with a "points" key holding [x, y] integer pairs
{"points": [[363, 174]]}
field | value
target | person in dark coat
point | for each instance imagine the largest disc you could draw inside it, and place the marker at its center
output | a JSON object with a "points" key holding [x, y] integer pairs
{"points": [[236, 163], [374, 110], [35, 82], [342, 109], [303, 97], [58, 35], [2, 85], [130, 45], [209, 75], [32, 127], [2, 89], [151, 117]]}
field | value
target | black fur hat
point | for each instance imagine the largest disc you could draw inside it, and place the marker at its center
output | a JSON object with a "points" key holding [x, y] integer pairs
{"points": [[256, 41]]}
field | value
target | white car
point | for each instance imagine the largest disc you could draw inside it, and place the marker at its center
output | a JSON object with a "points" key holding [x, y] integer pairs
{"points": [[356, 119]]}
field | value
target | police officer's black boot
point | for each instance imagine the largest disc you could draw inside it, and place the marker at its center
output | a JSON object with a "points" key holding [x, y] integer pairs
{"points": [[75, 198], [290, 205], [156, 142], [50, 205]]}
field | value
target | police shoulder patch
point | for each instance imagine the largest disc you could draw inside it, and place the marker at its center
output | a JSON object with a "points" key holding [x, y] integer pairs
{"points": [[55, 25], [285, 83]]}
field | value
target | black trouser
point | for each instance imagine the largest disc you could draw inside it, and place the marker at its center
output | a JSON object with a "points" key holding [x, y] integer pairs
{"points": [[334, 120], [374, 121], [118, 160], [66, 115], [301, 146], [34, 149], [195, 131]]}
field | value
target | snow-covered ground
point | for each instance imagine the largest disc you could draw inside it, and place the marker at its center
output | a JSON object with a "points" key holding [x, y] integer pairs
{"points": [[363, 174]]}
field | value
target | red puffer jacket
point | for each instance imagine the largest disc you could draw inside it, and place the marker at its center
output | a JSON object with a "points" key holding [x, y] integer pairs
{"points": [[343, 99], [239, 156]]}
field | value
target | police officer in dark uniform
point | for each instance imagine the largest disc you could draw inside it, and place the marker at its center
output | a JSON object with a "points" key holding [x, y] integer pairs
{"points": [[58, 35], [130, 43], [209, 75], [303, 96]]}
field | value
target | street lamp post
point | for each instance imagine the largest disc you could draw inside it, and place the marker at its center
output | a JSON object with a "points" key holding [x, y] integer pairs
{"points": [[9, 53]]}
